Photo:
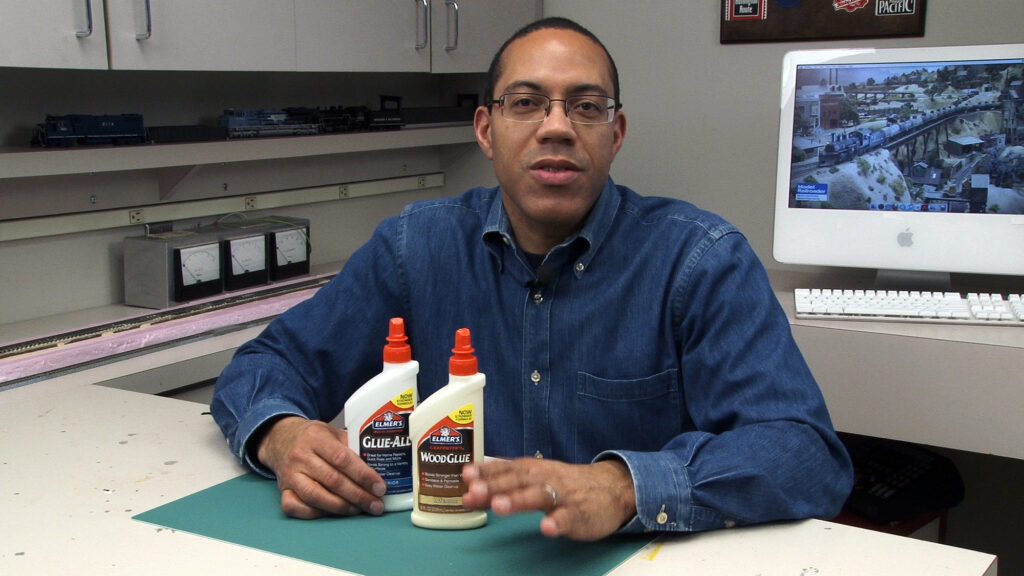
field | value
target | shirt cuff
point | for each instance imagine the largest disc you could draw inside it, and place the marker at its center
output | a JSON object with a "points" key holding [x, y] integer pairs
{"points": [[248, 432], [663, 496]]}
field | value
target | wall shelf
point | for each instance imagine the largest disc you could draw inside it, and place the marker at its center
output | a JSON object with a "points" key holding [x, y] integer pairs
{"points": [[29, 163]]}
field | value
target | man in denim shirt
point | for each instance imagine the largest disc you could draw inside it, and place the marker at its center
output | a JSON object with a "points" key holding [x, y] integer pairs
{"points": [[640, 373]]}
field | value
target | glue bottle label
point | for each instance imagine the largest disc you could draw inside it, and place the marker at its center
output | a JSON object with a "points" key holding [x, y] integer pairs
{"points": [[443, 451], [384, 442]]}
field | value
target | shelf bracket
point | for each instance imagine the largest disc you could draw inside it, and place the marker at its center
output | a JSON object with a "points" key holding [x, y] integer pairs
{"points": [[169, 179]]}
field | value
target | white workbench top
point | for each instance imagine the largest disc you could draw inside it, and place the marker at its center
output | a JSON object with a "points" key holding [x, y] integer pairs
{"points": [[78, 460]]}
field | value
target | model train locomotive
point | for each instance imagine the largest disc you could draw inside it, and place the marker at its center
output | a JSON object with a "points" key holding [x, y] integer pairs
{"points": [[85, 129], [72, 129]]}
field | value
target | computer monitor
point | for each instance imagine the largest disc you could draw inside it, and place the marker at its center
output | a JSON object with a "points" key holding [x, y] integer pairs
{"points": [[908, 159]]}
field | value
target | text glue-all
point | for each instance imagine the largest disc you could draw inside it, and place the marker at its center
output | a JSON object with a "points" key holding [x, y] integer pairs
{"points": [[447, 432], [377, 417]]}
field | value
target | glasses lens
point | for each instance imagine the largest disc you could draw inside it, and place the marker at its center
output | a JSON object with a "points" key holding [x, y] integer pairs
{"points": [[591, 109], [524, 107]]}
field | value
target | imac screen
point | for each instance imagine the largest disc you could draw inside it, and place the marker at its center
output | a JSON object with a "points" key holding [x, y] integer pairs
{"points": [[906, 134], [919, 136]]}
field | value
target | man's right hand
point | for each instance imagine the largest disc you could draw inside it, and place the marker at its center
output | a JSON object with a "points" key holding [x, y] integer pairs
{"points": [[317, 473]]}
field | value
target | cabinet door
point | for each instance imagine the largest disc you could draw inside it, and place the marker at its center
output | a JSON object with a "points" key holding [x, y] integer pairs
{"points": [[361, 36], [53, 34], [201, 34], [465, 34]]}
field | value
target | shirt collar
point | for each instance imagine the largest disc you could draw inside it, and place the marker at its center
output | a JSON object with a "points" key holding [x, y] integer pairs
{"points": [[498, 229]]}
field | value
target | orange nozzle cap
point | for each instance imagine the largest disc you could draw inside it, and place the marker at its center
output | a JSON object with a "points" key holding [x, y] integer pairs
{"points": [[397, 350], [462, 362]]}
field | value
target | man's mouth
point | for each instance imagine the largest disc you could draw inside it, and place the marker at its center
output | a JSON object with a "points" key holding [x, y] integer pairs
{"points": [[555, 174], [553, 162], [555, 171]]}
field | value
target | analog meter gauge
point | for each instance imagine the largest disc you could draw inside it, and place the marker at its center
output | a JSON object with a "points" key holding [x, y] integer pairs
{"points": [[163, 268], [289, 252], [197, 271], [245, 262]]}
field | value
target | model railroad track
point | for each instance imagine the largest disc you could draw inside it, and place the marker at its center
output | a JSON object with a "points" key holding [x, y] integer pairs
{"points": [[97, 331]]}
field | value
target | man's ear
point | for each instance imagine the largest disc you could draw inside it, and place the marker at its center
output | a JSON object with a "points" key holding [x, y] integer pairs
{"points": [[619, 132], [482, 127]]}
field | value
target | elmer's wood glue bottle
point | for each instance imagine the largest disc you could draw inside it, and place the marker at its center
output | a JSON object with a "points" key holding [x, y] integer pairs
{"points": [[377, 417], [447, 432]]}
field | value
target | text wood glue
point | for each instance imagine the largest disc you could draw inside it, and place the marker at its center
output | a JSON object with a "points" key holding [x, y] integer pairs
{"points": [[447, 431], [377, 417]]}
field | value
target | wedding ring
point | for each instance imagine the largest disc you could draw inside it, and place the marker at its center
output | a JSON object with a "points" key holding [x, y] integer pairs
{"points": [[551, 492]]}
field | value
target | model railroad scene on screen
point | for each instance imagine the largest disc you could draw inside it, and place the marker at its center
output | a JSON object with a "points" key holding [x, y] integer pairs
{"points": [[921, 137]]}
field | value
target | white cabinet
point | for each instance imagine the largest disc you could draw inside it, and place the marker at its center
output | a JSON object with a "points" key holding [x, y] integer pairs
{"points": [[406, 35], [359, 36], [260, 35], [465, 34], [53, 34], [201, 35]]}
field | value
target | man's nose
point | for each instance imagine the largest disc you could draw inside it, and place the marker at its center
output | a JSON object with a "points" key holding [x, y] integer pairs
{"points": [[557, 120]]}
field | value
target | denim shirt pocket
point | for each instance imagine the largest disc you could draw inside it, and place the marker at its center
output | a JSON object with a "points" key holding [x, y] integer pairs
{"points": [[638, 414]]}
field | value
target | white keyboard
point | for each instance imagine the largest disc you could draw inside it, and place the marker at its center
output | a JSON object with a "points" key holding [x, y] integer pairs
{"points": [[910, 306]]}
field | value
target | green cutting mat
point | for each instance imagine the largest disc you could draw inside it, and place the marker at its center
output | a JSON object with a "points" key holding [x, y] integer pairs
{"points": [[245, 510]]}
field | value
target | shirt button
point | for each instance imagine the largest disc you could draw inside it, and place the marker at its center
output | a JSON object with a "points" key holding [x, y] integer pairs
{"points": [[538, 297], [580, 266], [538, 455], [662, 517], [535, 377]]}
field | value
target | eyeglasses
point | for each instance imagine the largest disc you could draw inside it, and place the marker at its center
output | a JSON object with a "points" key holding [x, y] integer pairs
{"points": [[527, 107]]}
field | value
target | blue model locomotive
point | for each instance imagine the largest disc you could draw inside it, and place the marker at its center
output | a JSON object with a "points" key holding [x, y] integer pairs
{"points": [[73, 129], [251, 123]]}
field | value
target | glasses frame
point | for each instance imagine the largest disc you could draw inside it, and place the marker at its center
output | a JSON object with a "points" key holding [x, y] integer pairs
{"points": [[500, 101]]}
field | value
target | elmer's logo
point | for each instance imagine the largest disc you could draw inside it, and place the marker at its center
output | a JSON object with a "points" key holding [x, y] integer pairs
{"points": [[445, 436], [388, 421], [895, 7]]}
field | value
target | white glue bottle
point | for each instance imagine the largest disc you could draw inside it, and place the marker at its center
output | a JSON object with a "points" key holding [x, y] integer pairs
{"points": [[447, 432], [377, 417]]}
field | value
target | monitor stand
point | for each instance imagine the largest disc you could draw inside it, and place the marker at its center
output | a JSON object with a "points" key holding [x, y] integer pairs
{"points": [[912, 280]]}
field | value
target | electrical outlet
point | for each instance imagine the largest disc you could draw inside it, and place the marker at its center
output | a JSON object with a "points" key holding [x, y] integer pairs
{"points": [[421, 182], [136, 216], [250, 203]]}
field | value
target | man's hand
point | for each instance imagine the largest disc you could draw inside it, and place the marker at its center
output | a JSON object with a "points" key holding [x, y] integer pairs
{"points": [[582, 502], [316, 471]]}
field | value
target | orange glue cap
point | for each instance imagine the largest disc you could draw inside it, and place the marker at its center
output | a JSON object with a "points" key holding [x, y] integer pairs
{"points": [[462, 362], [397, 351]]}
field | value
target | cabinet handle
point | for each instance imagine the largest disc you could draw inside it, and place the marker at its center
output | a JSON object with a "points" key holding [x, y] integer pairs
{"points": [[426, 25], [455, 7], [149, 24], [88, 22]]}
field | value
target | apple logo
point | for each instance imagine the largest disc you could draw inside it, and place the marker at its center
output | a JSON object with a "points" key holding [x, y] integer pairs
{"points": [[905, 238]]}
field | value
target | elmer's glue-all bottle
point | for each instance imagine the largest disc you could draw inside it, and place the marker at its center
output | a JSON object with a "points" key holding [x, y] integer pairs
{"points": [[447, 432], [377, 417]]}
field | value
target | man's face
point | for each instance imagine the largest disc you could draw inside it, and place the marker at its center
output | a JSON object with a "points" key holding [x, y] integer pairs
{"points": [[551, 172]]}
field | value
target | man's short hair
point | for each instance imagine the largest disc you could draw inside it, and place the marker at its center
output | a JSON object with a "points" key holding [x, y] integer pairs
{"points": [[556, 23]]}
